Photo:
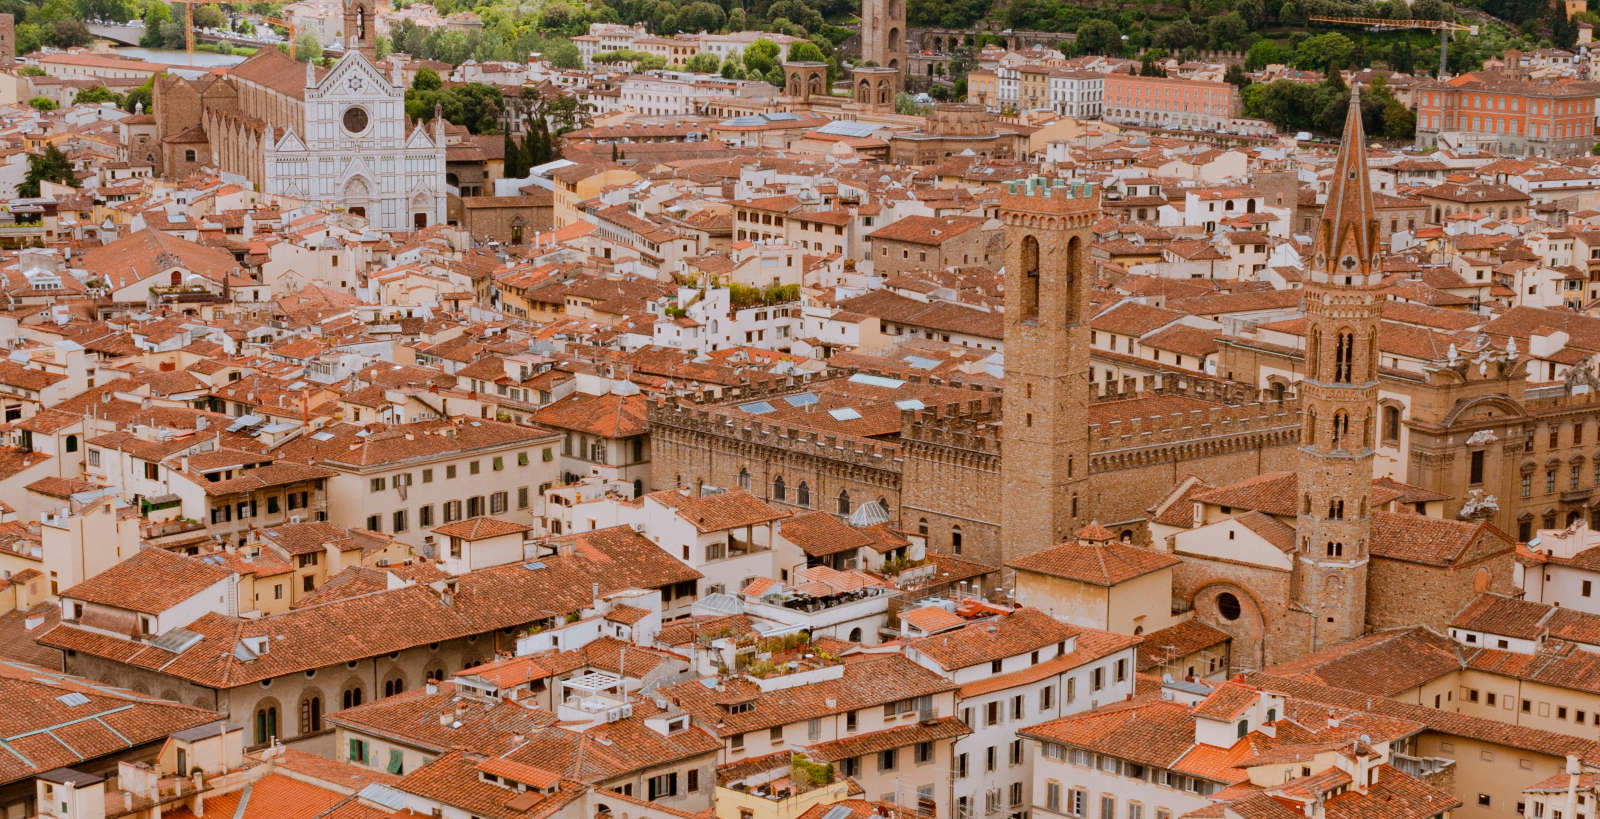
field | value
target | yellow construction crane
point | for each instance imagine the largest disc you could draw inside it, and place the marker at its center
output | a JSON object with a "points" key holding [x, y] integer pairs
{"points": [[188, 25], [1444, 27], [294, 31]]}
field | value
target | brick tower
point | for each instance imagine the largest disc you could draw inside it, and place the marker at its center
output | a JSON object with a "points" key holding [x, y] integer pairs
{"points": [[883, 35], [360, 28], [1045, 448], [1340, 399]]}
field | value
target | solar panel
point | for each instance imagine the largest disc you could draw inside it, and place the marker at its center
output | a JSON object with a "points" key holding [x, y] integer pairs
{"points": [[910, 404], [844, 414], [921, 363], [876, 381], [73, 698], [534, 565], [781, 116], [804, 399], [837, 812], [758, 408], [847, 128]]}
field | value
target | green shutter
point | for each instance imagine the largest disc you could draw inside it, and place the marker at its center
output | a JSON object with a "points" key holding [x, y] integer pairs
{"points": [[396, 761], [358, 751]]}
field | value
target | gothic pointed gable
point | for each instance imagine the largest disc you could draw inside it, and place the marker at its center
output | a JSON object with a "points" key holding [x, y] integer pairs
{"points": [[359, 166], [1347, 238], [419, 138], [354, 77], [290, 142]]}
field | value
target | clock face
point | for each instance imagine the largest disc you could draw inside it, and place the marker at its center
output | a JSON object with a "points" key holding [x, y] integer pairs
{"points": [[355, 119]]}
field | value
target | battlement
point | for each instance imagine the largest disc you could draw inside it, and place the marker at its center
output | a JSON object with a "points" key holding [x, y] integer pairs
{"points": [[784, 385], [1194, 425], [973, 425], [1041, 195], [675, 418], [1195, 386]]}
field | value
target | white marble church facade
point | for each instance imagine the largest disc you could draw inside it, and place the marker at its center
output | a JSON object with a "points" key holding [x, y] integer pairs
{"points": [[356, 154]]}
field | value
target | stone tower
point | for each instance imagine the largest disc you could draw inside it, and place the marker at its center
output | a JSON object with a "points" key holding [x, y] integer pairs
{"points": [[360, 28], [1045, 446], [883, 35], [1340, 399]]}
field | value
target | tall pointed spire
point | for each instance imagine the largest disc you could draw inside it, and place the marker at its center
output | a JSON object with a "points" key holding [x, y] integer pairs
{"points": [[1339, 402], [1346, 246]]}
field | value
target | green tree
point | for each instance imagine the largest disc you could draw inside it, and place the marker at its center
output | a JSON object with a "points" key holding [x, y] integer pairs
{"points": [[1263, 53], [95, 96], [1235, 75], [564, 54], [703, 63], [118, 11], [1179, 35], [30, 38], [513, 158], [141, 98], [31, 71], [806, 51], [699, 16], [69, 33], [155, 16], [209, 17], [426, 79], [307, 47], [51, 166], [1324, 52], [1227, 31], [43, 104], [1149, 68], [760, 56], [1099, 36]]}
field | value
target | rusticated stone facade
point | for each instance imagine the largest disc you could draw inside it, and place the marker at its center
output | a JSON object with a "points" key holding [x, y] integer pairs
{"points": [[1049, 225], [941, 476]]}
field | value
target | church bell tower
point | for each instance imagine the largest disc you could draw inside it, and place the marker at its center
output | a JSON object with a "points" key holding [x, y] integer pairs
{"points": [[361, 28], [1339, 399], [1044, 451]]}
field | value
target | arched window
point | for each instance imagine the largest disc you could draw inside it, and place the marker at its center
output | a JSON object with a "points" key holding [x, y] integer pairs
{"points": [[352, 696], [266, 722], [638, 487], [855, 635], [844, 502], [310, 714], [394, 685], [922, 524], [1344, 356], [803, 494], [1335, 549], [1069, 293], [1341, 428], [1336, 509], [955, 539], [72, 443], [1030, 279], [1313, 350], [744, 479], [1243, 728], [779, 491], [1391, 424]]}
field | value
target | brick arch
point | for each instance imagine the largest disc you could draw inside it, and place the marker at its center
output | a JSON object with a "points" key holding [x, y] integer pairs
{"points": [[1249, 632]]}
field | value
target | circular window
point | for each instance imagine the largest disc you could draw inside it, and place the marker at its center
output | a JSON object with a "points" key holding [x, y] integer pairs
{"points": [[355, 119], [1228, 606]]}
